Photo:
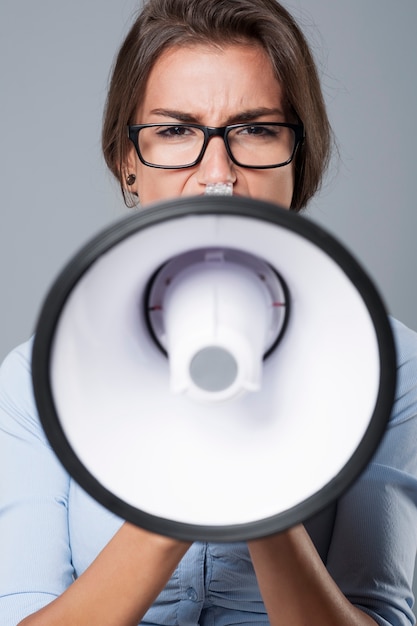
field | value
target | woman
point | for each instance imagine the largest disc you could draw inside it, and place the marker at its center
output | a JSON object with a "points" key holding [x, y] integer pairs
{"points": [[187, 65]]}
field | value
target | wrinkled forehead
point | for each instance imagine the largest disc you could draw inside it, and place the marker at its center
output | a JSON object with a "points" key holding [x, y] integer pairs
{"points": [[206, 82]]}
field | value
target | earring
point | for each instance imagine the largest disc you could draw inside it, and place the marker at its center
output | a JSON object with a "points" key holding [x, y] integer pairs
{"points": [[130, 180]]}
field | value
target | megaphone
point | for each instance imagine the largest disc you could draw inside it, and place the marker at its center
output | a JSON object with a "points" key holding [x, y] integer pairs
{"points": [[214, 369]]}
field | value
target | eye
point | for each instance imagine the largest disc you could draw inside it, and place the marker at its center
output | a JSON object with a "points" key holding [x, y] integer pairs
{"points": [[260, 131], [175, 132]]}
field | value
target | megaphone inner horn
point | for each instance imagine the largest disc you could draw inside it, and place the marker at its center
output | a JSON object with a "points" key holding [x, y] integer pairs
{"points": [[216, 313]]}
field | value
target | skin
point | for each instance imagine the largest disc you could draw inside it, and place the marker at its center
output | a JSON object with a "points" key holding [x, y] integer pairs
{"points": [[212, 87]]}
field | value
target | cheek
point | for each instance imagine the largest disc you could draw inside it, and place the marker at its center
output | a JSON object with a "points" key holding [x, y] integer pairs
{"points": [[155, 185], [275, 186], [285, 189]]}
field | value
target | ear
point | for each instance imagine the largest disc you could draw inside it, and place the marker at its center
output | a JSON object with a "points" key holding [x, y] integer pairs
{"points": [[129, 167]]}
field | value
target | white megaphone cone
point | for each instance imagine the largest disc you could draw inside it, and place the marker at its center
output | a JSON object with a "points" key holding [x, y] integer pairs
{"points": [[214, 368]]}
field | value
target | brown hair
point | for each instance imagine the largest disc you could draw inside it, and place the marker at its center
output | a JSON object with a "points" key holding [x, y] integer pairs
{"points": [[162, 24]]}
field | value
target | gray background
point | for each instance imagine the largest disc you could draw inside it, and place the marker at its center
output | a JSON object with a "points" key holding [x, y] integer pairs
{"points": [[54, 63], [55, 57]]}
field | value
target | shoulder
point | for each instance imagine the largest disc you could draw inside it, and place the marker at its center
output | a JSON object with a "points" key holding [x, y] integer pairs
{"points": [[17, 404], [17, 360], [405, 341], [405, 406]]}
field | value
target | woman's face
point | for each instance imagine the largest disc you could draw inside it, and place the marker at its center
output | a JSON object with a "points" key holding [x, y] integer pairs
{"points": [[213, 87]]}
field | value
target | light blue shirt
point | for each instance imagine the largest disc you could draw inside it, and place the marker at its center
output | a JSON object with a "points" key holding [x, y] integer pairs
{"points": [[50, 530]]}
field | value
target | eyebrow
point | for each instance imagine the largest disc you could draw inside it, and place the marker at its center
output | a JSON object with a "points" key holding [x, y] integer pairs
{"points": [[239, 118]]}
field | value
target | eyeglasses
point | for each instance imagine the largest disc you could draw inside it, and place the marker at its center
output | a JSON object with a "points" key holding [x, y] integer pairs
{"points": [[177, 146]]}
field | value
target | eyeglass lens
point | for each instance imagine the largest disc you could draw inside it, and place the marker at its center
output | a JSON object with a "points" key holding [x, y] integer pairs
{"points": [[251, 145]]}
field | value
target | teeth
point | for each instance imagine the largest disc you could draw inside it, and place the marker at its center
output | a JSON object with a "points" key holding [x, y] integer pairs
{"points": [[219, 189]]}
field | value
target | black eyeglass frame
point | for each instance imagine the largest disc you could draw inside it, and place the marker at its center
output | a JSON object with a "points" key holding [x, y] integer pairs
{"points": [[213, 131]]}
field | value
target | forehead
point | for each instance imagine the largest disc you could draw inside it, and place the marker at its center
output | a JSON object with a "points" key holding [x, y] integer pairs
{"points": [[211, 82]]}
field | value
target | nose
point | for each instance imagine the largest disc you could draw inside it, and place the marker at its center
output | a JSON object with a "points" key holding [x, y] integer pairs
{"points": [[216, 166]]}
